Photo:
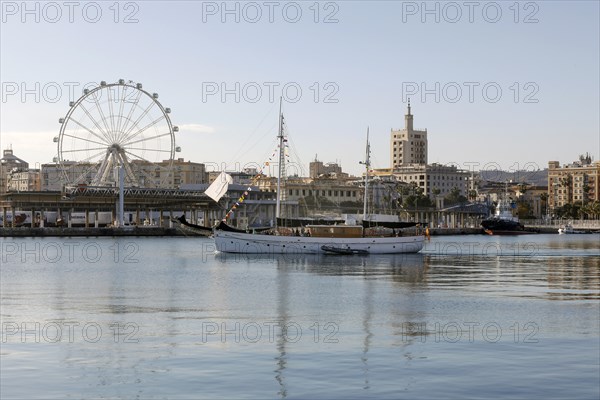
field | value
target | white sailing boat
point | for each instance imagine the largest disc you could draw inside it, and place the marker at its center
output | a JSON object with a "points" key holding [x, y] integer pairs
{"points": [[326, 239]]}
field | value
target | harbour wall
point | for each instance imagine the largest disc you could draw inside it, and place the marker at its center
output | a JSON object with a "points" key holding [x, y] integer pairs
{"points": [[91, 232], [175, 231]]}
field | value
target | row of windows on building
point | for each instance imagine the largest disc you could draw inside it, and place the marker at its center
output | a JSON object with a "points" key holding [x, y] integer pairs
{"points": [[433, 178], [450, 178], [403, 135], [566, 198], [323, 193], [412, 150], [443, 184], [577, 180], [416, 152], [412, 143], [578, 189]]}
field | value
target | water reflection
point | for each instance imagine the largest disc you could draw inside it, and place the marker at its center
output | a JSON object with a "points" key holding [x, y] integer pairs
{"points": [[283, 319], [367, 317], [401, 267], [551, 277], [386, 308], [573, 278]]}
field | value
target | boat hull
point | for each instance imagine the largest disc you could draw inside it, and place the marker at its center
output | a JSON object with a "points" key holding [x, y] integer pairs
{"points": [[571, 232], [234, 242], [508, 233], [499, 226], [185, 226]]}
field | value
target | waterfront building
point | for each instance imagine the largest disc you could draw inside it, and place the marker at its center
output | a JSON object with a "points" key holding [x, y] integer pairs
{"points": [[161, 175], [8, 164], [575, 182], [24, 180], [53, 178], [317, 168], [150, 175], [492, 192], [188, 173], [408, 161], [444, 178], [324, 194], [535, 198], [244, 177], [408, 146]]}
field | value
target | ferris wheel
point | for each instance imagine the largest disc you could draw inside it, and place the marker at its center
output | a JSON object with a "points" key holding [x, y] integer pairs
{"points": [[117, 125]]}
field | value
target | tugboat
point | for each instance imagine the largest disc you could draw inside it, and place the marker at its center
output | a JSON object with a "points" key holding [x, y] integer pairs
{"points": [[503, 222]]}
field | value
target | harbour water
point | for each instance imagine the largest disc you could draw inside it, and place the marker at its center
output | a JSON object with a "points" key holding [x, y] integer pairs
{"points": [[152, 318]]}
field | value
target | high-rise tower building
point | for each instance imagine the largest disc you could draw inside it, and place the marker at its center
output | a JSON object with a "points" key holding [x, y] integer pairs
{"points": [[408, 146]]}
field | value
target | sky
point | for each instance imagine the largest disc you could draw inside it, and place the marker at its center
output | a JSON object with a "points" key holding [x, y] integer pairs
{"points": [[501, 84]]}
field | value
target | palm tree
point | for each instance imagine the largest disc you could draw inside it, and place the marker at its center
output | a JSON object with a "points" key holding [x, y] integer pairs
{"points": [[586, 211], [586, 191], [592, 210], [567, 182]]}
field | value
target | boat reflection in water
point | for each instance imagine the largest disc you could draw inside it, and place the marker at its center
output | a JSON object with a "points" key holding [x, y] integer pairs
{"points": [[368, 273], [410, 266]]}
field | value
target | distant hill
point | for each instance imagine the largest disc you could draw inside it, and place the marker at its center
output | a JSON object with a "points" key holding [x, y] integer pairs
{"points": [[538, 178]]}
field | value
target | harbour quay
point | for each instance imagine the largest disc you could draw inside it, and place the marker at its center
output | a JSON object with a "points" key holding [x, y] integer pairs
{"points": [[138, 231], [84, 210], [90, 211]]}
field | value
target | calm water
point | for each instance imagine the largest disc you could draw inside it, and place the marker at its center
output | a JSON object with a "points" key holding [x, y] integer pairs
{"points": [[469, 317]]}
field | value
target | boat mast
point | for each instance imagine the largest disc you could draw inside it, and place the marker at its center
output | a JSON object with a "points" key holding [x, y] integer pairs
{"points": [[367, 164], [280, 164]]}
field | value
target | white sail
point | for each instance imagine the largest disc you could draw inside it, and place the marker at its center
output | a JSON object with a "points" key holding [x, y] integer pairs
{"points": [[219, 187]]}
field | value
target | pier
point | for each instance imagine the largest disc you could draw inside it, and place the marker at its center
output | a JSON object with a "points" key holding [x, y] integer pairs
{"points": [[137, 231], [153, 208]]}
